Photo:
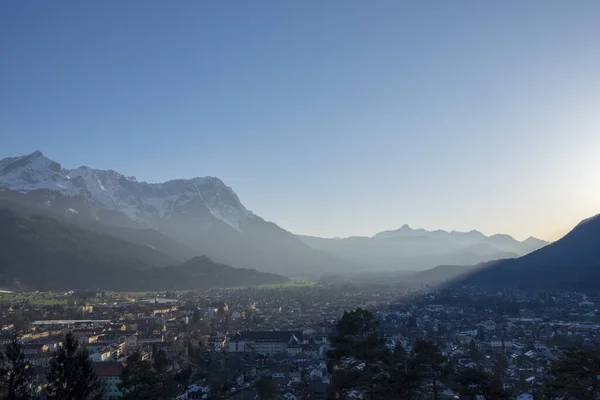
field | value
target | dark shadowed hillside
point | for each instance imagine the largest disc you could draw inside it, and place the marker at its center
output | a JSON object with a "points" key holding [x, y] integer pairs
{"points": [[441, 273], [572, 262], [43, 253], [30, 206]]}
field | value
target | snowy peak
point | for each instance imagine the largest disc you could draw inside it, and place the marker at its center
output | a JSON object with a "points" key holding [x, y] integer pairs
{"points": [[145, 203], [35, 160], [26, 172], [219, 199]]}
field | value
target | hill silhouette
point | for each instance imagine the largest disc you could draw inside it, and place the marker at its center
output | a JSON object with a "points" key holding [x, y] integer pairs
{"points": [[571, 263], [43, 253]]}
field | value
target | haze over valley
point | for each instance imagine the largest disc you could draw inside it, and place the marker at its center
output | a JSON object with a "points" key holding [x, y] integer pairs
{"points": [[185, 218]]}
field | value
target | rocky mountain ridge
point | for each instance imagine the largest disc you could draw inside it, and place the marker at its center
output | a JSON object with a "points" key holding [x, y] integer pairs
{"points": [[144, 203]]}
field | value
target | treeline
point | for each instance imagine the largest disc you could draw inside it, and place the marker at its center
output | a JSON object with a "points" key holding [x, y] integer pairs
{"points": [[362, 366]]}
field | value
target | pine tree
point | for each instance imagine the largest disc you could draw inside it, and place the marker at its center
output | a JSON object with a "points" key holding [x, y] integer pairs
{"points": [[159, 360], [430, 365], [356, 361], [575, 375], [403, 381], [359, 336], [195, 317], [475, 382], [15, 373], [160, 363], [139, 380], [266, 389], [71, 375], [473, 351]]}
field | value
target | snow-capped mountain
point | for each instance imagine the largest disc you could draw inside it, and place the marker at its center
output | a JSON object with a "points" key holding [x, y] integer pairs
{"points": [[203, 215], [145, 203]]}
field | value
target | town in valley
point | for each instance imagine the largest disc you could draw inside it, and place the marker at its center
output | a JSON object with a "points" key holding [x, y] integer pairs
{"points": [[273, 342]]}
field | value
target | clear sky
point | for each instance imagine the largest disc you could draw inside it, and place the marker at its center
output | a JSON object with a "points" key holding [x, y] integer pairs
{"points": [[330, 118]]}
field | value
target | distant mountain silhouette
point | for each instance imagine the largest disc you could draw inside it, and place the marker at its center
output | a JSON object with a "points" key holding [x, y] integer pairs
{"points": [[419, 249], [43, 253], [571, 263]]}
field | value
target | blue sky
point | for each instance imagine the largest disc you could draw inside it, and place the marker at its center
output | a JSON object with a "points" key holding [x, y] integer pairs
{"points": [[330, 118]]}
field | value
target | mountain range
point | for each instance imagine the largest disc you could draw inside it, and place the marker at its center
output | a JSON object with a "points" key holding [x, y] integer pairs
{"points": [[570, 263], [185, 218], [202, 215], [417, 249]]}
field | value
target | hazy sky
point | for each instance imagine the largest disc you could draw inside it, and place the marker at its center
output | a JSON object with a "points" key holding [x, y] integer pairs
{"points": [[330, 118]]}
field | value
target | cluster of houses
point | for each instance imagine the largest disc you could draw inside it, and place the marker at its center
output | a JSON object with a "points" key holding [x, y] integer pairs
{"points": [[231, 339], [294, 360], [520, 333]]}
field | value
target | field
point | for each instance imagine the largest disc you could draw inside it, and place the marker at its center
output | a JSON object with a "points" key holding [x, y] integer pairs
{"points": [[50, 299], [42, 299], [290, 283]]}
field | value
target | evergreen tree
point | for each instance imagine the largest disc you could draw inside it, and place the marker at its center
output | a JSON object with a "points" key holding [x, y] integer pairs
{"points": [[167, 381], [411, 323], [475, 382], [267, 390], [183, 377], [473, 351], [15, 373], [403, 381], [159, 360], [575, 375], [139, 380], [195, 316], [356, 361], [359, 336], [71, 375], [430, 366], [480, 334]]}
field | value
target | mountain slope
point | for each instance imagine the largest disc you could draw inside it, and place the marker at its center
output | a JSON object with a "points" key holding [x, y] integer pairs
{"points": [[203, 215], [144, 203], [572, 262], [44, 254], [532, 244], [23, 232], [440, 274], [25, 204]]}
